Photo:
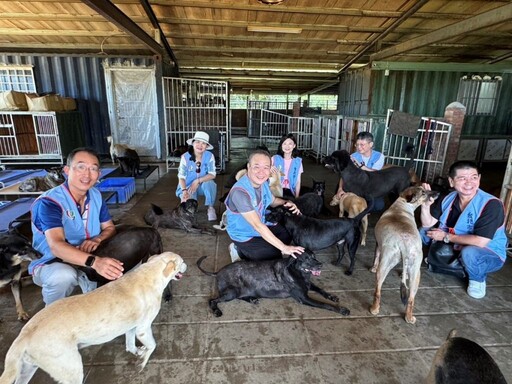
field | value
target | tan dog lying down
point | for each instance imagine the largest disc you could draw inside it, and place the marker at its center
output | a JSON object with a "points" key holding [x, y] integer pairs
{"points": [[353, 205], [52, 338], [398, 239]]}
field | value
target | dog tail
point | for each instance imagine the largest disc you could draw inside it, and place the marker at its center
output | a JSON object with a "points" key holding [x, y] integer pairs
{"points": [[198, 263], [404, 288], [13, 363], [369, 206]]}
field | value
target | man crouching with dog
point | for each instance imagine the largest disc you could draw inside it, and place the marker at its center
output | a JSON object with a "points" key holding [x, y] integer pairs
{"points": [[68, 223], [246, 205]]}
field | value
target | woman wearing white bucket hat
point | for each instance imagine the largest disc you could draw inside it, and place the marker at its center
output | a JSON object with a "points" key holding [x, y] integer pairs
{"points": [[196, 173]]}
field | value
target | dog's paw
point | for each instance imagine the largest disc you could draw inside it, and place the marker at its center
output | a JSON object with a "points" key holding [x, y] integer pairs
{"points": [[411, 320], [254, 301], [334, 298], [23, 316], [374, 309], [348, 272], [217, 312], [373, 269], [344, 311]]}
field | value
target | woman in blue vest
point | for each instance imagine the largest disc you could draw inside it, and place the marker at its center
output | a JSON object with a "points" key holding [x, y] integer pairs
{"points": [[289, 164], [196, 173], [473, 221], [68, 223], [367, 159], [246, 204]]}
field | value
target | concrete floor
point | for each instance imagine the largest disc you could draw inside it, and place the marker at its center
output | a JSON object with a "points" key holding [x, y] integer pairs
{"points": [[281, 341]]}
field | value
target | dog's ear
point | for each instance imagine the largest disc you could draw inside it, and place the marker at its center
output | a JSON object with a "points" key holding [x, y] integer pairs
{"points": [[410, 195], [157, 210], [170, 268]]}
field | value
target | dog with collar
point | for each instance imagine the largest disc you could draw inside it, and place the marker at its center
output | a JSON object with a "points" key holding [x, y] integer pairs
{"points": [[127, 306]]}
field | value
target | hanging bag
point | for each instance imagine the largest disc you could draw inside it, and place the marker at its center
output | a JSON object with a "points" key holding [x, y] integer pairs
{"points": [[442, 258]]}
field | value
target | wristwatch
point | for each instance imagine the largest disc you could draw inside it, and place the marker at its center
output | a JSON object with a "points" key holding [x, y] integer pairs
{"points": [[446, 238], [90, 261]]}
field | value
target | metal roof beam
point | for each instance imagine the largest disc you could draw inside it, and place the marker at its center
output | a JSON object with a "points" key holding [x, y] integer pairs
{"points": [[110, 12], [482, 20]]}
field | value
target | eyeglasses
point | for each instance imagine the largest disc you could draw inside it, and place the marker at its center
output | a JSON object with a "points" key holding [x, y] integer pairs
{"points": [[82, 168], [198, 165]]}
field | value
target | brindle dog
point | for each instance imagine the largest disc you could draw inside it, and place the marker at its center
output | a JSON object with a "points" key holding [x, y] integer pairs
{"points": [[54, 177], [181, 217]]}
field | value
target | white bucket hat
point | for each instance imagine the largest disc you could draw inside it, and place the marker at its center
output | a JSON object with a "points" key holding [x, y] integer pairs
{"points": [[201, 136]]}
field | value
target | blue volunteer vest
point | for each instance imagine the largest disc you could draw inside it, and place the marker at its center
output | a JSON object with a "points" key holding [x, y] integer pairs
{"points": [[191, 169], [374, 157], [238, 228], [74, 229], [466, 221], [293, 172]]}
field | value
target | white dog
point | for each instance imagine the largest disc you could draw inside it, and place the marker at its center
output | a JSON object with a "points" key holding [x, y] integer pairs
{"points": [[52, 338], [116, 150]]}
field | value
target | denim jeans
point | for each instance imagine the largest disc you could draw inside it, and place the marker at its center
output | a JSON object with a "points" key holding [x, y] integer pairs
{"points": [[208, 189], [58, 280], [478, 262]]}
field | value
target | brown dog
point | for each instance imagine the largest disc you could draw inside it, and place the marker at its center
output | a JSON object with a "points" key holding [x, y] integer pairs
{"points": [[398, 239], [353, 205], [274, 182]]}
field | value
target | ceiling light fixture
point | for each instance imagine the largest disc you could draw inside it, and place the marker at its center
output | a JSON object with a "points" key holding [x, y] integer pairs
{"points": [[258, 28], [270, 2]]}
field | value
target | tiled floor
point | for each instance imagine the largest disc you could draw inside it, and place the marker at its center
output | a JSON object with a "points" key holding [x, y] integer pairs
{"points": [[281, 341]]}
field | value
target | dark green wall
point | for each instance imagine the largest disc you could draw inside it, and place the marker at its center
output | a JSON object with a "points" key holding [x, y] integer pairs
{"points": [[424, 92]]}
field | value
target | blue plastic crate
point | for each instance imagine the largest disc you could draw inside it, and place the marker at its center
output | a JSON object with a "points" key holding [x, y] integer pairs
{"points": [[124, 186]]}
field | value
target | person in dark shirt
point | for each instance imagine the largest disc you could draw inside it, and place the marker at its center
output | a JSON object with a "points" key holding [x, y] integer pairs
{"points": [[471, 219]]}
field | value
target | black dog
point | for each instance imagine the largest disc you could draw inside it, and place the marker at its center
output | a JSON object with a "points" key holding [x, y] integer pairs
{"points": [[252, 280], [181, 217], [364, 183], [53, 178], [316, 234], [462, 361], [131, 245], [130, 162], [15, 253], [312, 203]]}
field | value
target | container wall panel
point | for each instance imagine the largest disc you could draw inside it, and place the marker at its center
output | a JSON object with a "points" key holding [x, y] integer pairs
{"points": [[82, 78], [427, 93]]}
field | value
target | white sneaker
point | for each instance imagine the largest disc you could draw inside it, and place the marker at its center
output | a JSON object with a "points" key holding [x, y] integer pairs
{"points": [[476, 289], [212, 215], [233, 252]]}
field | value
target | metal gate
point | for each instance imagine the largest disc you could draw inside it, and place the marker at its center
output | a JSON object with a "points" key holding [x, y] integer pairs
{"points": [[302, 129], [274, 125], [336, 132], [195, 105], [430, 143]]}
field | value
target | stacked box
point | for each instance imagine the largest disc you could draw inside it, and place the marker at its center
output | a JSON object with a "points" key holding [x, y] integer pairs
{"points": [[124, 186]]}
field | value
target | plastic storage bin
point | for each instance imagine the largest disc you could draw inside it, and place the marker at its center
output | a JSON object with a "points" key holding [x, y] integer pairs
{"points": [[124, 186]]}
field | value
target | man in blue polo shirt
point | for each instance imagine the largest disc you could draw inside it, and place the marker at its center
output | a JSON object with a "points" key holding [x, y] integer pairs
{"points": [[68, 223]]}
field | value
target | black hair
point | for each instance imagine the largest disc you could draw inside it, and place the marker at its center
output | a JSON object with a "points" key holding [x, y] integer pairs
{"points": [[88, 150], [259, 152], [295, 152], [365, 136], [462, 164]]}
